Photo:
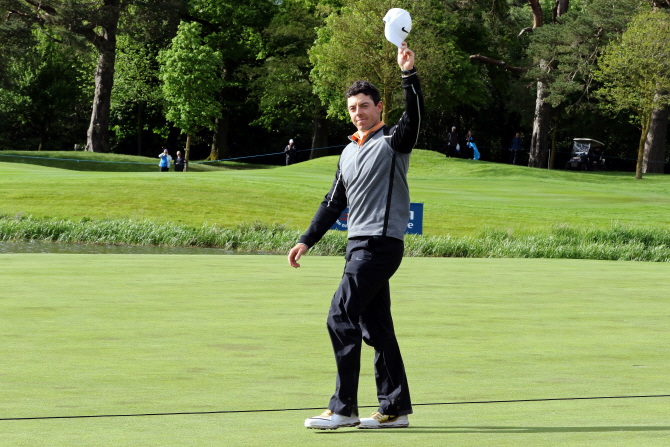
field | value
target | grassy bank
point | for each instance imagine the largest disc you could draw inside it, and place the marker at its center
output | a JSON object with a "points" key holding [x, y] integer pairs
{"points": [[128, 334], [93, 161], [615, 243], [460, 197]]}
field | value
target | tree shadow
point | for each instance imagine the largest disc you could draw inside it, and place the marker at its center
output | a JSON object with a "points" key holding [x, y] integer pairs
{"points": [[503, 429]]}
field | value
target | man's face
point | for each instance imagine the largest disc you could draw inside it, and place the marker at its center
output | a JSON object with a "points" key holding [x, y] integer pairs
{"points": [[517, 134], [363, 111]]}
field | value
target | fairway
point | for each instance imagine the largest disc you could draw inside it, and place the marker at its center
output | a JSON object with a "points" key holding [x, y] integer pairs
{"points": [[128, 334], [460, 197]]}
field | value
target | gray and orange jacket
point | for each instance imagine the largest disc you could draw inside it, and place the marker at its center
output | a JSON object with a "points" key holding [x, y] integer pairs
{"points": [[371, 178]]}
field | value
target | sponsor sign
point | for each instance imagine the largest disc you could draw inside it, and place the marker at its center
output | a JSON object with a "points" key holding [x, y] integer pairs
{"points": [[414, 226]]}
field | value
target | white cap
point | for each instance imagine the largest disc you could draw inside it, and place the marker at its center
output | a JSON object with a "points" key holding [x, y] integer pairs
{"points": [[290, 141], [398, 25]]}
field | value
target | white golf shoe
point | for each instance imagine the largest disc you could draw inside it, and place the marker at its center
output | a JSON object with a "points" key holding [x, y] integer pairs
{"points": [[330, 421], [379, 420]]}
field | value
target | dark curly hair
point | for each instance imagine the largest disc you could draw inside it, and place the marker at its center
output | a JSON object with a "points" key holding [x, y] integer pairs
{"points": [[367, 89]]}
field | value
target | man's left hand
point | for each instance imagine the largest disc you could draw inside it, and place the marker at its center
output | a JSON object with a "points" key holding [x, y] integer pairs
{"points": [[405, 57]]}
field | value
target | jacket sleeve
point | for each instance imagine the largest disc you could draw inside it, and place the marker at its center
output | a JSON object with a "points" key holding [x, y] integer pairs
{"points": [[404, 135], [329, 211]]}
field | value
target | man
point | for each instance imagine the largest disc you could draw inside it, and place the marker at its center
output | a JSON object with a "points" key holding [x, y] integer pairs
{"points": [[371, 179], [517, 145], [452, 142], [290, 152], [164, 164], [179, 163]]}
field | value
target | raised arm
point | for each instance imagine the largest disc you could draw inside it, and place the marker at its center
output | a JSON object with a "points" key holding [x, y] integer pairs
{"points": [[404, 135]]}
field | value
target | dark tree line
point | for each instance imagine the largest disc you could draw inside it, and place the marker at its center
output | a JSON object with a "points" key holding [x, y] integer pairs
{"points": [[75, 71]]}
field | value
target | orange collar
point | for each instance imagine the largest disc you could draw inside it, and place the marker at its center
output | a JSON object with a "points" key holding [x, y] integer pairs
{"points": [[360, 137]]}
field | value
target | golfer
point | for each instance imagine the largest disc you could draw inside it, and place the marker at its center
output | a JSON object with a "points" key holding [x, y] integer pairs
{"points": [[371, 179]]}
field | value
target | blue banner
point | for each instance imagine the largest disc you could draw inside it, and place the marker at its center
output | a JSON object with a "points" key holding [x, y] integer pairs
{"points": [[414, 226]]}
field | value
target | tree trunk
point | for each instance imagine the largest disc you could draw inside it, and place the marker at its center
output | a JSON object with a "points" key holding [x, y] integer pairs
{"points": [[557, 120], [139, 128], [43, 136], [646, 118], [654, 147], [98, 131], [539, 142], [220, 138], [319, 132], [187, 152]]}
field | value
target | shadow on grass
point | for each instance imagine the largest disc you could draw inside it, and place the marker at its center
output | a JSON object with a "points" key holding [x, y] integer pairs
{"points": [[510, 430]]}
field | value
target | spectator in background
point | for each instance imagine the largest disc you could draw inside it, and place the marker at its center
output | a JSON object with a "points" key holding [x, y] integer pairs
{"points": [[291, 153], [164, 164], [470, 142], [452, 142], [180, 163], [517, 145]]}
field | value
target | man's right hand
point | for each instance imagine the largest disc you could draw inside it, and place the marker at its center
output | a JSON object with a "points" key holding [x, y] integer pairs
{"points": [[295, 253]]}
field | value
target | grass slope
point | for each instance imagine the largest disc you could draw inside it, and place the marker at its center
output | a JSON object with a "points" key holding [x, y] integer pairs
{"points": [[461, 196], [123, 334], [94, 161]]}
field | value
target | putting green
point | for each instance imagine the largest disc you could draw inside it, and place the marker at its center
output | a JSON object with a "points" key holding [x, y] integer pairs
{"points": [[125, 334]]}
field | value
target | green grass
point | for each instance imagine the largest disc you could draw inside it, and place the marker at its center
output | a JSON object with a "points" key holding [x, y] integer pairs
{"points": [[617, 243], [93, 161], [121, 334], [461, 197]]}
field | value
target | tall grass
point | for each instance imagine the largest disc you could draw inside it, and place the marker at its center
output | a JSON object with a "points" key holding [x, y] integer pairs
{"points": [[619, 242]]}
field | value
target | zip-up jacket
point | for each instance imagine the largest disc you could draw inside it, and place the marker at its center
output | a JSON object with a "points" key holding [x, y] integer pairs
{"points": [[371, 178]]}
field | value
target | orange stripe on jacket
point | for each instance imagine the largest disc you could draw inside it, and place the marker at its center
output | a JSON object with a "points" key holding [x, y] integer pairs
{"points": [[360, 137]]}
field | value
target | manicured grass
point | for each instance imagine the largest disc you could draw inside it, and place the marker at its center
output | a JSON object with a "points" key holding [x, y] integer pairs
{"points": [[121, 334], [461, 197], [93, 161]]}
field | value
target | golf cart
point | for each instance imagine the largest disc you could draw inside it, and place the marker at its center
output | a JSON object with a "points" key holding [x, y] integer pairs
{"points": [[586, 155]]}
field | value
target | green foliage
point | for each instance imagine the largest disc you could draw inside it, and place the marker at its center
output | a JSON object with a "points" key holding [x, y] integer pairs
{"points": [[351, 46], [190, 72], [45, 90], [571, 48], [136, 81], [635, 70], [281, 85]]}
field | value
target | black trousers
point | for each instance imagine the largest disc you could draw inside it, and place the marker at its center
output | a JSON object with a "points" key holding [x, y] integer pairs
{"points": [[361, 311]]}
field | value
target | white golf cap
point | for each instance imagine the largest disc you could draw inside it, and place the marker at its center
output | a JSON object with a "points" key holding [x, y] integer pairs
{"points": [[398, 25]]}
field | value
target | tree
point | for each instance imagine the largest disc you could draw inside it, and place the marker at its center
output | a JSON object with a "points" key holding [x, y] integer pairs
{"points": [[281, 84], [190, 75], [351, 46], [635, 71], [654, 147], [570, 53], [44, 89], [233, 28], [136, 83], [97, 23]]}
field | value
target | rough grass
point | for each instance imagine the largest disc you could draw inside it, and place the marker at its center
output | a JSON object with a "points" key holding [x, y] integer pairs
{"points": [[128, 334], [616, 243]]}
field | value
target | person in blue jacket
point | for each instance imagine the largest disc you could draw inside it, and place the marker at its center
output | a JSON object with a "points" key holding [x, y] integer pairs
{"points": [[470, 141]]}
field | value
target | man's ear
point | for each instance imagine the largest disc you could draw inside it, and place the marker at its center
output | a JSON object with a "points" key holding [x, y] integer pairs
{"points": [[380, 106]]}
